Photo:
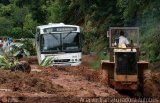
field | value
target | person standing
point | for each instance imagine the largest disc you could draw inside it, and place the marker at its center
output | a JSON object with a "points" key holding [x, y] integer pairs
{"points": [[7, 44]]}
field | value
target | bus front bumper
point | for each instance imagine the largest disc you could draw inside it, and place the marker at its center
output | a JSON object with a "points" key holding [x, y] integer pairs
{"points": [[67, 64]]}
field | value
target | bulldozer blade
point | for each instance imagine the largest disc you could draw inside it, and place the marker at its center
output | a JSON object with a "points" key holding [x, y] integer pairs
{"points": [[106, 64], [107, 71]]}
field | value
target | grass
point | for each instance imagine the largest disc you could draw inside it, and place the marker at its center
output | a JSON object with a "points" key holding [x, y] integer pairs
{"points": [[97, 64]]}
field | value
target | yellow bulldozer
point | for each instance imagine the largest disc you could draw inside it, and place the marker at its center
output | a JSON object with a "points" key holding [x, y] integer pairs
{"points": [[124, 70]]}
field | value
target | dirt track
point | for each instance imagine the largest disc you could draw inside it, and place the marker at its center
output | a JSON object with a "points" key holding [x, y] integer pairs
{"points": [[57, 85]]}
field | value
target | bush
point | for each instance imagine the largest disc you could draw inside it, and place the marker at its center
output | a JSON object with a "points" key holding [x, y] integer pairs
{"points": [[97, 64], [15, 32], [151, 44], [29, 45]]}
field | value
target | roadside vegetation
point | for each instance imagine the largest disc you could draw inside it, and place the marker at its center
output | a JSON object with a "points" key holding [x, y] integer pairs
{"points": [[101, 56], [11, 59]]}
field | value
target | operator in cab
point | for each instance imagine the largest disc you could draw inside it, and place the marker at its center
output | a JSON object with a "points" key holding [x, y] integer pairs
{"points": [[122, 41]]}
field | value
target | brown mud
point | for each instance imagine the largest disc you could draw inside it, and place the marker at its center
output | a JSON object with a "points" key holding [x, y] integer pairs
{"points": [[59, 84]]}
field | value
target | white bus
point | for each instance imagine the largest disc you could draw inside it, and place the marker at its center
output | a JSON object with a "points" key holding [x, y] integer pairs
{"points": [[60, 42]]}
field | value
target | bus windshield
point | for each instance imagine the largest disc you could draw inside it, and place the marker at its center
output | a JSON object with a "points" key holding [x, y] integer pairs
{"points": [[70, 41], [60, 42]]}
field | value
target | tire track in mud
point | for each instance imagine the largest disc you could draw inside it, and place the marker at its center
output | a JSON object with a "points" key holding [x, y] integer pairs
{"points": [[79, 86], [82, 81]]}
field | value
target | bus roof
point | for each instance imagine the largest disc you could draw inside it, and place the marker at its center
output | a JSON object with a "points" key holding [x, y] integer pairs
{"points": [[54, 25]]}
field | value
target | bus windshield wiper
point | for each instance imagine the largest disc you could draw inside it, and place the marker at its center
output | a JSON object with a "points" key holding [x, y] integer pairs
{"points": [[67, 34], [54, 36]]}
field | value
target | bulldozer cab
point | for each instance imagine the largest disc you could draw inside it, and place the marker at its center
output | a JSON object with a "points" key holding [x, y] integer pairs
{"points": [[123, 68], [131, 33]]}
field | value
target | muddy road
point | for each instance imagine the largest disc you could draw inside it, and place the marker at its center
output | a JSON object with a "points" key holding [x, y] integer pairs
{"points": [[59, 85], [50, 84]]}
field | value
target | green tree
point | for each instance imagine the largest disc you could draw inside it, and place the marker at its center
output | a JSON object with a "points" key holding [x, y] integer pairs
{"points": [[19, 15], [57, 10], [5, 10], [21, 3], [39, 14], [5, 25], [5, 2], [30, 24]]}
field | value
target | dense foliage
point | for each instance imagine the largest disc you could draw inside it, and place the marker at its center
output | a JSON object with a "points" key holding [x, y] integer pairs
{"points": [[18, 18]]}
